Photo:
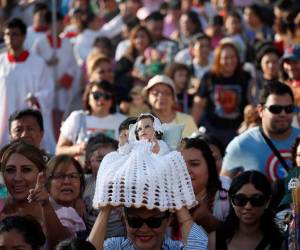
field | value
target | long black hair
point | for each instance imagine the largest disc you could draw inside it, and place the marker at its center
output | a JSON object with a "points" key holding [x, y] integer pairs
{"points": [[213, 183], [267, 225]]}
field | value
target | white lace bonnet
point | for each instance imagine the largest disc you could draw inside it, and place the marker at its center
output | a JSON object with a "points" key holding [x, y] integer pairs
{"points": [[156, 124], [142, 178]]}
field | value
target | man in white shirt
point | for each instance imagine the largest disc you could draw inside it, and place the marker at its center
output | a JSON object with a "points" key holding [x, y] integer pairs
{"points": [[25, 82]]}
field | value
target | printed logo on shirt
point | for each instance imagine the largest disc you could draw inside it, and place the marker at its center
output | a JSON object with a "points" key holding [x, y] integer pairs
{"points": [[227, 99], [108, 132], [274, 170]]}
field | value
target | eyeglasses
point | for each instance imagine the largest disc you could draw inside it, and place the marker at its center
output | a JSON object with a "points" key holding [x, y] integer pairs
{"points": [[256, 200], [152, 222], [277, 109], [62, 177], [162, 93], [97, 95]]}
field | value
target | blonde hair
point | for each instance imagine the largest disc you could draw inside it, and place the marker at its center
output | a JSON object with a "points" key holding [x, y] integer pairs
{"points": [[93, 59]]}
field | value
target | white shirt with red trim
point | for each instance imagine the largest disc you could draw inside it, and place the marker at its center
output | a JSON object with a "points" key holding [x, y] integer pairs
{"points": [[66, 72], [18, 77]]}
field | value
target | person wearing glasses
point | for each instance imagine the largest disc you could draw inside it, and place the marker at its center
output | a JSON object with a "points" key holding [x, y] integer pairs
{"points": [[99, 116], [66, 184], [250, 223], [150, 189], [250, 150], [23, 167], [160, 93]]}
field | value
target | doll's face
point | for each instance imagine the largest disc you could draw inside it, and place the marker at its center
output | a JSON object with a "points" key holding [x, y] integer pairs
{"points": [[145, 129]]}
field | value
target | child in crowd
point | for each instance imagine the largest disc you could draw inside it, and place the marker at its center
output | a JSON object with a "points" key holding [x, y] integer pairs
{"points": [[137, 104], [97, 147]]}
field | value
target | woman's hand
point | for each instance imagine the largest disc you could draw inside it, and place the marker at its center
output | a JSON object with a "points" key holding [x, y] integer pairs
{"points": [[39, 193], [80, 148], [185, 221], [155, 148], [203, 216]]}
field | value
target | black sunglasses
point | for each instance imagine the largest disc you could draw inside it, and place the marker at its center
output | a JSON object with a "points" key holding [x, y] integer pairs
{"points": [[152, 222], [256, 200], [277, 109], [97, 95]]}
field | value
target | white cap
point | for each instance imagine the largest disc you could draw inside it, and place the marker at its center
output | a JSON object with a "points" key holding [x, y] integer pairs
{"points": [[161, 79]]}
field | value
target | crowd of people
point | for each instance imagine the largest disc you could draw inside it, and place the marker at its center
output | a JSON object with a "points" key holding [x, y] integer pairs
{"points": [[150, 124]]}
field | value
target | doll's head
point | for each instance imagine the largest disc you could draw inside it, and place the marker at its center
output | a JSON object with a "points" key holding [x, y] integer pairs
{"points": [[146, 129]]}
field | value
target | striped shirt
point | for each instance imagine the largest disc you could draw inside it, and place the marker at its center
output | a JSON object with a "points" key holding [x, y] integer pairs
{"points": [[197, 240]]}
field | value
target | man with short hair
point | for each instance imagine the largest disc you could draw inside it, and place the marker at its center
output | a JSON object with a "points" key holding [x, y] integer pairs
{"points": [[25, 82], [291, 67], [39, 25], [27, 124], [167, 47], [250, 151]]}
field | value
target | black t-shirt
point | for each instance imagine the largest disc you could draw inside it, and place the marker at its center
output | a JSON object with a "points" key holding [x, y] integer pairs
{"points": [[226, 98]]}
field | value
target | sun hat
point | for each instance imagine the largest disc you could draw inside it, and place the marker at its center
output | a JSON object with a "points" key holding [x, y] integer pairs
{"points": [[291, 53], [144, 179], [161, 79]]}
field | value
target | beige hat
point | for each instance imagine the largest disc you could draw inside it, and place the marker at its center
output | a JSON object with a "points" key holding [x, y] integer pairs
{"points": [[161, 79]]}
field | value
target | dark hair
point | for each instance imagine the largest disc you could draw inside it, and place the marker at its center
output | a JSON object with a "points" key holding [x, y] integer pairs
{"points": [[174, 67], [234, 14], [75, 244], [29, 151], [27, 226], [213, 140], [131, 50], [194, 18], [125, 124], [106, 86], [275, 88], [63, 160], [198, 37], [158, 135], [213, 183], [39, 7], [155, 16], [267, 224], [16, 23], [19, 114], [257, 9], [294, 151], [49, 17], [109, 48], [97, 141]]}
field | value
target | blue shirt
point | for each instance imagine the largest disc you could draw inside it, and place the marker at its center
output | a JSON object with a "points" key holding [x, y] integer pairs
{"points": [[197, 240], [249, 151]]}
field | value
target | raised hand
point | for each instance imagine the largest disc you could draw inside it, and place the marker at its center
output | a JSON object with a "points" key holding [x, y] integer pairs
{"points": [[39, 193]]}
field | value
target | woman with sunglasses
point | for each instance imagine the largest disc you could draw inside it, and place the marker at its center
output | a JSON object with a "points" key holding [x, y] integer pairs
{"points": [[99, 116], [147, 230], [250, 223]]}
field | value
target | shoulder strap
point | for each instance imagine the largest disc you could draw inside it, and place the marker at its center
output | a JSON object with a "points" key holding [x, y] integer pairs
{"points": [[82, 125], [275, 151]]}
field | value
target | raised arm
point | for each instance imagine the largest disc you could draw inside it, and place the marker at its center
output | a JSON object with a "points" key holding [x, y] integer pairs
{"points": [[193, 236], [55, 231], [98, 232], [65, 146]]}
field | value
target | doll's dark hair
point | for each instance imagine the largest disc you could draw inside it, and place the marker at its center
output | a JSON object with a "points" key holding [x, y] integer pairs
{"points": [[158, 134]]}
